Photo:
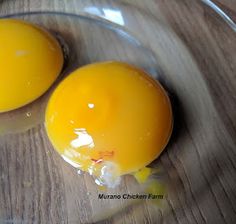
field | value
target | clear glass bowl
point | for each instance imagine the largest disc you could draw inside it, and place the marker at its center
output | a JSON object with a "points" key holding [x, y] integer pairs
{"points": [[35, 176], [85, 39]]}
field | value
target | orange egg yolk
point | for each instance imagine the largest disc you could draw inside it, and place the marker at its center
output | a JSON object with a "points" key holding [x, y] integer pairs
{"points": [[109, 116], [30, 61]]}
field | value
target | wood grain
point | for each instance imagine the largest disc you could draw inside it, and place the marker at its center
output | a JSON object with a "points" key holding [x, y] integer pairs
{"points": [[196, 60]]}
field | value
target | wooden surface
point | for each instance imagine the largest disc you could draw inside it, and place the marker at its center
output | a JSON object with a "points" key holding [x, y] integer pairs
{"points": [[36, 186]]}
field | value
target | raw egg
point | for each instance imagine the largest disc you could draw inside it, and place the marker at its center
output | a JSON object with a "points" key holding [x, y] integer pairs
{"points": [[30, 61], [109, 119]]}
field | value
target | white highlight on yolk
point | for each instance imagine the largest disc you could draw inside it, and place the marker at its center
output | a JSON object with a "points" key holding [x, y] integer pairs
{"points": [[83, 139], [91, 105]]}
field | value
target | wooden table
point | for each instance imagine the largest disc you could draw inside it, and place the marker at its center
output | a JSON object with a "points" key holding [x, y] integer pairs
{"points": [[36, 186]]}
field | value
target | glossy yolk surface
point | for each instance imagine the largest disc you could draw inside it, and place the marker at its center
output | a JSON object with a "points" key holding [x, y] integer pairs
{"points": [[30, 61], [109, 116]]}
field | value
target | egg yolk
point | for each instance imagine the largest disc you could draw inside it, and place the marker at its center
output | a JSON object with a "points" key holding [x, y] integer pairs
{"points": [[30, 61], [109, 117]]}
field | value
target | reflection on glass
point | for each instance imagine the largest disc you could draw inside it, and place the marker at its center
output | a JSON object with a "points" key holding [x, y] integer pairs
{"points": [[112, 15], [218, 10]]}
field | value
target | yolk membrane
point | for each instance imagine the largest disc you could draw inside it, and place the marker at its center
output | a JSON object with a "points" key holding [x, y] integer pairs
{"points": [[109, 118], [30, 61]]}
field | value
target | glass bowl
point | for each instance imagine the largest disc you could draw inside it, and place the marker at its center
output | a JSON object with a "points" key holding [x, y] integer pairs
{"points": [[36, 177], [84, 39]]}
